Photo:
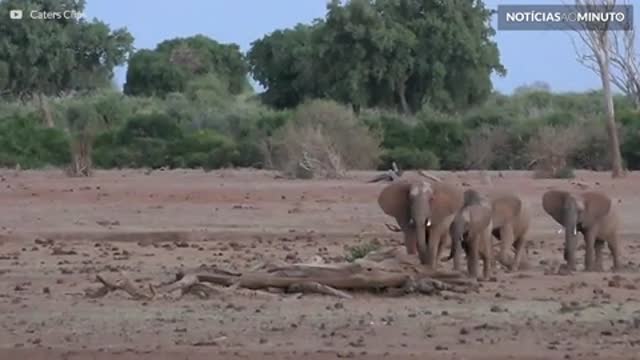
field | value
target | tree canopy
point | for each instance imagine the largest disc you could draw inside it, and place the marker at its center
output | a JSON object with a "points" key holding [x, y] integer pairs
{"points": [[397, 54], [53, 57], [176, 62]]}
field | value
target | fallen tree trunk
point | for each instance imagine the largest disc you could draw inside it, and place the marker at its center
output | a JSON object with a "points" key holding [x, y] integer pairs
{"points": [[384, 269]]}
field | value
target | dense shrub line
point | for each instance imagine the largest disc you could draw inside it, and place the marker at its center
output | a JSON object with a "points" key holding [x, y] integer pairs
{"points": [[525, 130]]}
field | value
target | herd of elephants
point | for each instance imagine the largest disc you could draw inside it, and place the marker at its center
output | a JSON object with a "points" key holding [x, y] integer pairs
{"points": [[431, 214]]}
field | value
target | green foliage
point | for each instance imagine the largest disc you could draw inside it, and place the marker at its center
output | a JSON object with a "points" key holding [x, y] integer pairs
{"points": [[359, 251], [199, 132], [155, 140], [409, 158], [57, 56], [24, 142], [284, 62], [630, 138], [371, 83], [82, 118], [429, 140], [204, 148], [444, 136], [155, 125], [143, 141], [176, 63], [387, 54], [150, 73]]}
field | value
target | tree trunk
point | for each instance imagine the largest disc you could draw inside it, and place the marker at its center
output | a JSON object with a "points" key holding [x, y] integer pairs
{"points": [[81, 164], [402, 94], [635, 98], [612, 131], [46, 112], [356, 108]]}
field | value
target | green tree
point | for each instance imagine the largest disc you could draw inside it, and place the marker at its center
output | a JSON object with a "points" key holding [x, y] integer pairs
{"points": [[284, 62], [150, 73], [176, 62], [399, 54], [53, 57]]}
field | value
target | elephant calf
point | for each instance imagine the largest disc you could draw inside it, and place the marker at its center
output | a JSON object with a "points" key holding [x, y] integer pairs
{"points": [[591, 213], [471, 231], [510, 221]]}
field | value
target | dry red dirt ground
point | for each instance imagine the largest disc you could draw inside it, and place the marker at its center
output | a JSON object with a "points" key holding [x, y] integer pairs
{"points": [[153, 224]]}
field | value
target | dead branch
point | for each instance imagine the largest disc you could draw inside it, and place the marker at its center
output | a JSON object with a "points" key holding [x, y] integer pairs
{"points": [[317, 288], [191, 284], [121, 283], [388, 268], [387, 176], [392, 174], [429, 176]]}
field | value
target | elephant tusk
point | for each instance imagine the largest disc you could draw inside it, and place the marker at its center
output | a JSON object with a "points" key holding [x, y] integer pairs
{"points": [[575, 231], [429, 222], [560, 231]]}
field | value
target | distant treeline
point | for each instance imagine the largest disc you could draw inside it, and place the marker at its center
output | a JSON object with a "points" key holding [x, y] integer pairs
{"points": [[371, 83]]}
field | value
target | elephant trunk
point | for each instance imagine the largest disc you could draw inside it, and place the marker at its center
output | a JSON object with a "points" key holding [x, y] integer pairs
{"points": [[570, 232], [420, 214], [410, 239]]}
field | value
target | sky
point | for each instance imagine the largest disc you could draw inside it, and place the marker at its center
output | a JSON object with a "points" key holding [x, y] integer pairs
{"points": [[529, 56]]}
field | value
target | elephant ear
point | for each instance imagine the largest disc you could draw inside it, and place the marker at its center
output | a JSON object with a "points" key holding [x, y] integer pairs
{"points": [[394, 201], [553, 203], [480, 217], [596, 206], [472, 197], [447, 199], [505, 207]]}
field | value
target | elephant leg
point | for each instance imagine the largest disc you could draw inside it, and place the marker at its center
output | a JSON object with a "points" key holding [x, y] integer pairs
{"points": [[506, 237], [570, 249], [599, 246], [520, 250], [457, 256], [488, 262], [615, 253], [445, 239], [590, 241], [472, 257], [457, 233], [433, 245]]}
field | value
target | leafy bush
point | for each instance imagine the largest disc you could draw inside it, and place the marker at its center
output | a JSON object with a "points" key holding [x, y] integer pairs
{"points": [[204, 148], [23, 141], [429, 140], [443, 136], [143, 141], [156, 125], [409, 158], [630, 138]]}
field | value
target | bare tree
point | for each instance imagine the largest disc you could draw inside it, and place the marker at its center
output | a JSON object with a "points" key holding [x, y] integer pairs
{"points": [[623, 59], [598, 40]]}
